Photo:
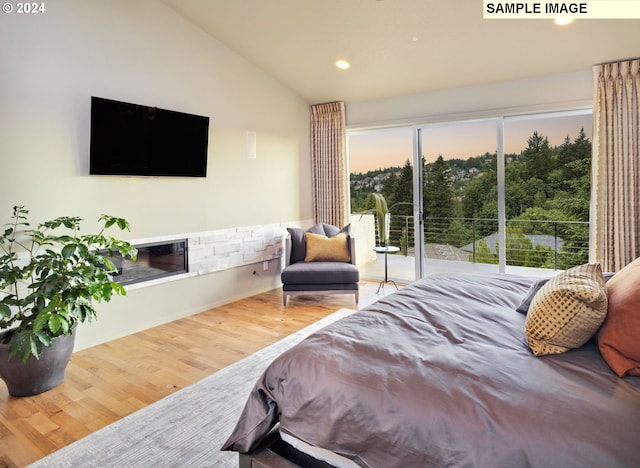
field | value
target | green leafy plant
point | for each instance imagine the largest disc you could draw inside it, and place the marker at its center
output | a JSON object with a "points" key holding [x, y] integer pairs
{"points": [[377, 205], [50, 277], [381, 211]]}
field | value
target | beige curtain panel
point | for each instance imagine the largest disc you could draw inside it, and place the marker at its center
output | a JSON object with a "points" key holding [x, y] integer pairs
{"points": [[615, 191], [328, 159]]}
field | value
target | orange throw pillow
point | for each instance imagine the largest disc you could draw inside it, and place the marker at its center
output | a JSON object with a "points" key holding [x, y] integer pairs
{"points": [[619, 336]]}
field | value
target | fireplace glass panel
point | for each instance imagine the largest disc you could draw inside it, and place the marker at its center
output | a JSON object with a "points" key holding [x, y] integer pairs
{"points": [[156, 260]]}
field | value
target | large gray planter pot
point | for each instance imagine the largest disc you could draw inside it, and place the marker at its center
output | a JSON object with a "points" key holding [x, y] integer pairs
{"points": [[36, 375]]}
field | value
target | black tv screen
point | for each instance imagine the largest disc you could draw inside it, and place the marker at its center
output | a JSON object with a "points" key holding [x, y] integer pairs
{"points": [[131, 139]]}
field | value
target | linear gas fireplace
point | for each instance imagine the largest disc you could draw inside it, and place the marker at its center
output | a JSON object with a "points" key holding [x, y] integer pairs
{"points": [[155, 260]]}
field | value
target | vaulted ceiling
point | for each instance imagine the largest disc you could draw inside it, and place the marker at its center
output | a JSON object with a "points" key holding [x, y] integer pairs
{"points": [[401, 47]]}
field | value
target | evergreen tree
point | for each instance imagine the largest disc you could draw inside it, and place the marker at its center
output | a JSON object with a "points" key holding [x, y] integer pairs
{"points": [[438, 201], [403, 194], [569, 152], [438, 193], [538, 157], [389, 187]]}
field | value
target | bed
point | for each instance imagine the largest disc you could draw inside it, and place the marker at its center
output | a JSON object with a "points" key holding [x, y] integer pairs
{"points": [[440, 374]]}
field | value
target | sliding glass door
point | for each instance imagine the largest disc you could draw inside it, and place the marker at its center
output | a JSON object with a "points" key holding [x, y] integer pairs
{"points": [[493, 195], [380, 162], [547, 185], [460, 196]]}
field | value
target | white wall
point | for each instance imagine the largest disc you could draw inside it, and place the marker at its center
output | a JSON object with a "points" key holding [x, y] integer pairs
{"points": [[549, 93], [142, 52]]}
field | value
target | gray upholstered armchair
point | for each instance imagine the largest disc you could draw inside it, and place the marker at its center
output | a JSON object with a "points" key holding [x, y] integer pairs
{"points": [[321, 260]]}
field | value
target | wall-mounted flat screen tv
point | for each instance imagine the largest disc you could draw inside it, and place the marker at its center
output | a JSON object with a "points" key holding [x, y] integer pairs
{"points": [[131, 139]]}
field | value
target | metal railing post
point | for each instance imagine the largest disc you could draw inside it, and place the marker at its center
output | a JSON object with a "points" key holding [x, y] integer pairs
{"points": [[555, 245], [406, 236], [473, 241]]}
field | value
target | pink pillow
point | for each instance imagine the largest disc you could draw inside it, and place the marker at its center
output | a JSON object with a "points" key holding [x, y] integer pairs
{"points": [[619, 336]]}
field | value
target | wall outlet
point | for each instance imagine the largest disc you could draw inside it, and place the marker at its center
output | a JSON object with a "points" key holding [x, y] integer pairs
{"points": [[265, 265]]}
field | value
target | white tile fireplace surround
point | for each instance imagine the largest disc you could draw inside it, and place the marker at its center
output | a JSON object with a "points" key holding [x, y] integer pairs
{"points": [[222, 249]]}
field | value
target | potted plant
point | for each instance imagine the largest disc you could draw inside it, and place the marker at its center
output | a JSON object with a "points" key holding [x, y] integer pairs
{"points": [[378, 206], [50, 277]]}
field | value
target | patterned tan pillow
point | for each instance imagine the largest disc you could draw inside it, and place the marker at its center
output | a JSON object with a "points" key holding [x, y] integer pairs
{"points": [[567, 311], [327, 249]]}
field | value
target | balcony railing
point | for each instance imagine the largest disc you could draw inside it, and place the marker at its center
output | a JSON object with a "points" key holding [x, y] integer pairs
{"points": [[530, 243]]}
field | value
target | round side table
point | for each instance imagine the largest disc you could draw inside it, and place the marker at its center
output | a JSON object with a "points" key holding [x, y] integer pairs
{"points": [[387, 249]]}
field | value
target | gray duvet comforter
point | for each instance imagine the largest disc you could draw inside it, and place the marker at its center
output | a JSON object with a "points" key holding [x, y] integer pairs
{"points": [[439, 374]]}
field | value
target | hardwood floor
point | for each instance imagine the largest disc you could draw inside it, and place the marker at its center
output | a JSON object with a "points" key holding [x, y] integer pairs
{"points": [[109, 381]]}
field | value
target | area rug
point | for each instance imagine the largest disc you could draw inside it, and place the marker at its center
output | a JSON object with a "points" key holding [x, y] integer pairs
{"points": [[186, 428]]}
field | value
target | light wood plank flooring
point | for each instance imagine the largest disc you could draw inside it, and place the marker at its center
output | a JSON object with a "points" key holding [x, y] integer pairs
{"points": [[109, 381]]}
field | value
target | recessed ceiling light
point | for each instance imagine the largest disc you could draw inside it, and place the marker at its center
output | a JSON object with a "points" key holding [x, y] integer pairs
{"points": [[343, 64], [563, 21]]}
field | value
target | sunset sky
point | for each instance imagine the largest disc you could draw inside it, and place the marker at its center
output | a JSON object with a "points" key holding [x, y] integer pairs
{"points": [[392, 147]]}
